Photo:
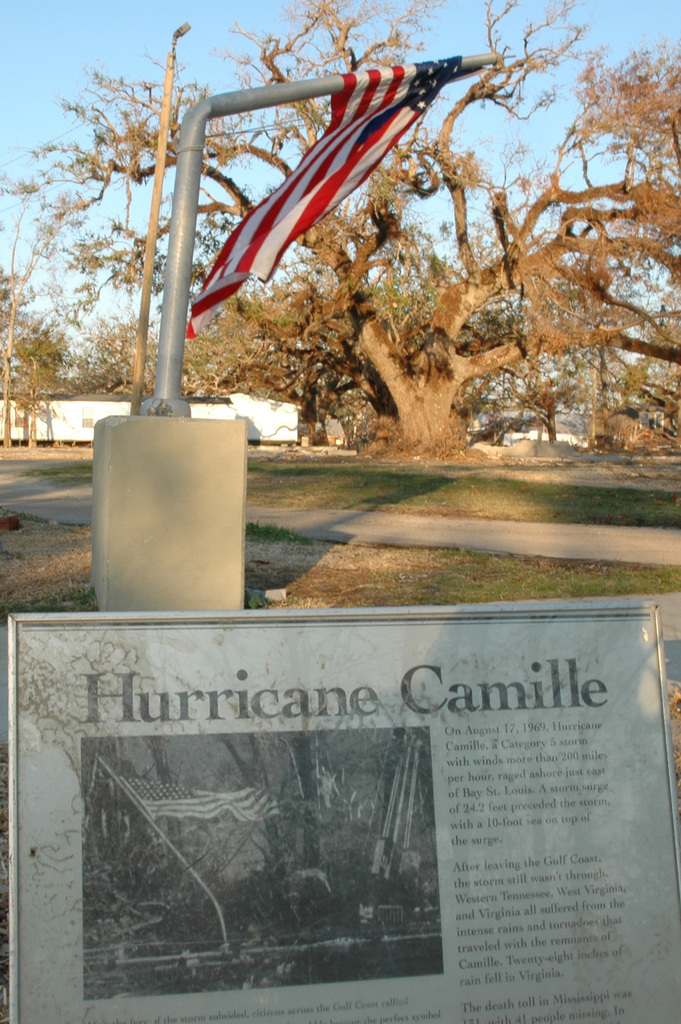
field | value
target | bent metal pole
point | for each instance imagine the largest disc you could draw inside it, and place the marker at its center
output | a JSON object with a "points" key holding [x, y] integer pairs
{"points": [[167, 400]]}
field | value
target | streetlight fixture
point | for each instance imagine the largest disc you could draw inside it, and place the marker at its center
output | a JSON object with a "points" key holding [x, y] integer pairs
{"points": [[152, 230], [181, 31]]}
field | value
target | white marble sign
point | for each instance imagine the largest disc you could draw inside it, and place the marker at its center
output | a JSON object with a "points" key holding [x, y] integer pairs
{"points": [[349, 817]]}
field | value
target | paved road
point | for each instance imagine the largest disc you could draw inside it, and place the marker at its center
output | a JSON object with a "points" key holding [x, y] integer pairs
{"points": [[40, 497]]}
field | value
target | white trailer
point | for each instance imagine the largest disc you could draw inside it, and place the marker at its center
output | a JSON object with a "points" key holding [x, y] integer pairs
{"points": [[70, 419]]}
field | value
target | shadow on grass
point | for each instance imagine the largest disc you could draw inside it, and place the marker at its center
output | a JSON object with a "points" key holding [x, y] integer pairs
{"points": [[374, 488], [276, 557], [362, 487]]}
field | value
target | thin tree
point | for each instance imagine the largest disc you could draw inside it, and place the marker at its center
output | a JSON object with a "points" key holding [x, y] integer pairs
{"points": [[40, 361], [37, 225]]}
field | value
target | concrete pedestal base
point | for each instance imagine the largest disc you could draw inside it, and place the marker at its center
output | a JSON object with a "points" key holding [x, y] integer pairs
{"points": [[169, 514]]}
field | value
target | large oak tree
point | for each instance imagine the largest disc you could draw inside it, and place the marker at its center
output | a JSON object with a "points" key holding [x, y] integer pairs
{"points": [[584, 240]]}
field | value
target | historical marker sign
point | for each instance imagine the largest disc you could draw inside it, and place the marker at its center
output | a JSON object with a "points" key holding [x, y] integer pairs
{"points": [[352, 817]]}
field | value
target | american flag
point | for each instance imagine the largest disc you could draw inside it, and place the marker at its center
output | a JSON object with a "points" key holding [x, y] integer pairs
{"points": [[172, 800], [373, 111]]}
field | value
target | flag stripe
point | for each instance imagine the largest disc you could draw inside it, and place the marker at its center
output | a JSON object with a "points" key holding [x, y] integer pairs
{"points": [[315, 168], [317, 164], [368, 117], [330, 152]]}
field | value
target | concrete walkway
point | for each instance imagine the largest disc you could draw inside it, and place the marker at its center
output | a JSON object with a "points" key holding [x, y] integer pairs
{"points": [[637, 545], [40, 497], [640, 545]]}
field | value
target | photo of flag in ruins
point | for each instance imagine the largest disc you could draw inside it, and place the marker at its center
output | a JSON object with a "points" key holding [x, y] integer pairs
{"points": [[171, 800], [258, 860]]}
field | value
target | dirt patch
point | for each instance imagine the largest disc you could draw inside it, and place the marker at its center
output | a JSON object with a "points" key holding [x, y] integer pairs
{"points": [[586, 471], [271, 565], [43, 558], [51, 455], [663, 474]]}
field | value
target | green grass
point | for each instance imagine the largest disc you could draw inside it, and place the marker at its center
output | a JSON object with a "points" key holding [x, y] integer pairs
{"points": [[25, 517], [365, 575], [368, 487], [78, 599], [69, 474], [373, 488], [272, 533]]}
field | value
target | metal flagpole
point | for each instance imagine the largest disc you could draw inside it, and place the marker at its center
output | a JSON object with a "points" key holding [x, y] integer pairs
{"points": [[167, 400]]}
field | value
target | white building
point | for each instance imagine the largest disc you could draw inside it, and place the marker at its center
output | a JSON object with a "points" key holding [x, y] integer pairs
{"points": [[70, 419], [571, 428]]}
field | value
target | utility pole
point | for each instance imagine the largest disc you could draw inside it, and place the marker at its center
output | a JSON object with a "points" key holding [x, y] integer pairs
{"points": [[152, 230]]}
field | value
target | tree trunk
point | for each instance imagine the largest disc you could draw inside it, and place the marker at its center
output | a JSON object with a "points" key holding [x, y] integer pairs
{"points": [[310, 417], [33, 418], [551, 424], [308, 414], [424, 409], [425, 385], [605, 402], [6, 408], [422, 394]]}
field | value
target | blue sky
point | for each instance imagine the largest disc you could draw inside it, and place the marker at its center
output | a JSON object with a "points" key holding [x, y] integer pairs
{"points": [[46, 47]]}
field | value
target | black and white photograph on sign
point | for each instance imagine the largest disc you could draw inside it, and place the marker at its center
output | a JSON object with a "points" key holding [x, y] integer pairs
{"points": [[249, 860]]}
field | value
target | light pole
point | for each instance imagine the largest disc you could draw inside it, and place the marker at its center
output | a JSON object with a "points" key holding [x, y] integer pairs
{"points": [[152, 230]]}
